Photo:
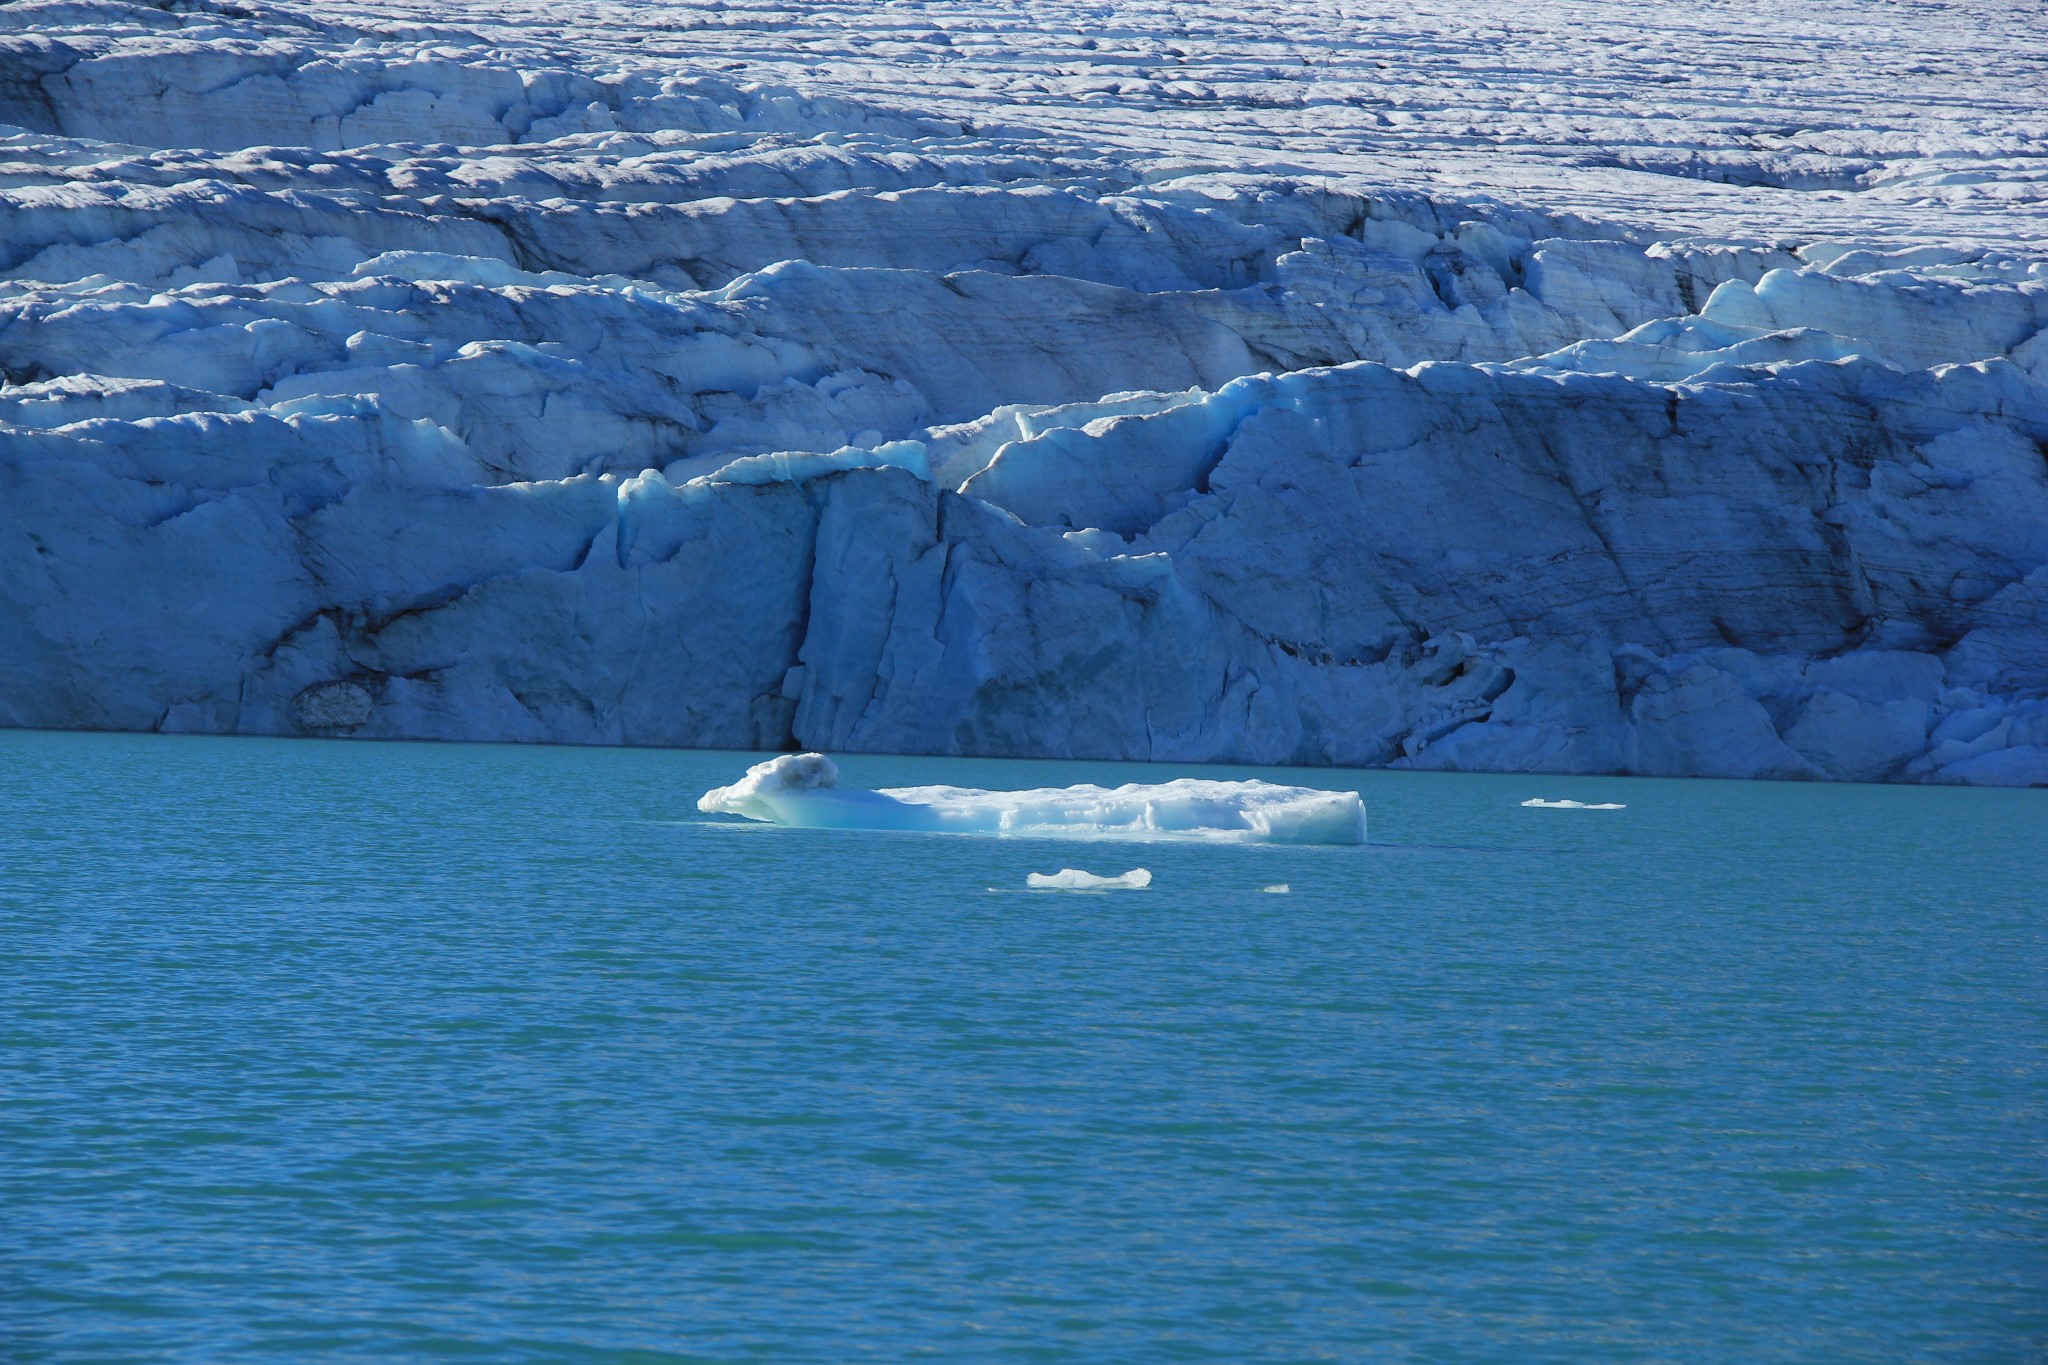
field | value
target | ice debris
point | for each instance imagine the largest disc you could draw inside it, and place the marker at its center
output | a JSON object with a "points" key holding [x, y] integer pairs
{"points": [[1074, 879], [803, 791], [1573, 805]]}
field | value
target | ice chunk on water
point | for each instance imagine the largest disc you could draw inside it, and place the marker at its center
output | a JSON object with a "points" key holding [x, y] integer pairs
{"points": [[760, 794], [803, 791], [1074, 879], [1277, 889], [1573, 805]]}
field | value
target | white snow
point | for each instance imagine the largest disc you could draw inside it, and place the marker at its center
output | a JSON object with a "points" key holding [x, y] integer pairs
{"points": [[802, 791], [1584, 388], [1074, 879]]}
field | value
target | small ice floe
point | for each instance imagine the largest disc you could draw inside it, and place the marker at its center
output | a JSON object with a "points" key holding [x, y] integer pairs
{"points": [[803, 791], [1573, 805], [1074, 879], [1277, 889]]}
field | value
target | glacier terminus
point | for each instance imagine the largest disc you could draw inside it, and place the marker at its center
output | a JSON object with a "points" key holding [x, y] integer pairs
{"points": [[1603, 390]]}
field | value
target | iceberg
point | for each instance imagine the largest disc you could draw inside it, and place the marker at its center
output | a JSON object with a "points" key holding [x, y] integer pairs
{"points": [[1074, 879], [802, 791], [1540, 803]]}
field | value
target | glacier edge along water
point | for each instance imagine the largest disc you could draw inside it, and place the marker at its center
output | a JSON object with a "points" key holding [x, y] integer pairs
{"points": [[354, 388]]}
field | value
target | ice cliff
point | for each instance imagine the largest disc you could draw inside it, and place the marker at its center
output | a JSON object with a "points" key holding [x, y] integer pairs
{"points": [[369, 376]]}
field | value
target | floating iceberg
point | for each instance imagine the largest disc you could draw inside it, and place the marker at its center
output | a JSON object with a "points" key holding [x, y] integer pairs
{"points": [[803, 791], [1074, 879], [1277, 889], [1573, 805]]}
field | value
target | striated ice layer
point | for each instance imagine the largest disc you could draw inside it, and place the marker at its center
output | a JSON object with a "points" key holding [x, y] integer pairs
{"points": [[1074, 879], [802, 791]]}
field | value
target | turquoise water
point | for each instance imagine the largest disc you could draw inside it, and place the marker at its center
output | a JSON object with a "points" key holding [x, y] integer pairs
{"points": [[328, 1051]]}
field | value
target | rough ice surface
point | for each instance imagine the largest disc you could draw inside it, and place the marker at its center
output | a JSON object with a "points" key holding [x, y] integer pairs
{"points": [[1074, 879], [1580, 389], [802, 791]]}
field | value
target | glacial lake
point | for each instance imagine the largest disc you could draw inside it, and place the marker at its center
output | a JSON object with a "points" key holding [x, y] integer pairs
{"points": [[408, 1052]]}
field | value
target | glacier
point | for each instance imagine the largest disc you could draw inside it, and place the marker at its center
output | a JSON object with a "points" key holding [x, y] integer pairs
{"points": [[1114, 383], [802, 791]]}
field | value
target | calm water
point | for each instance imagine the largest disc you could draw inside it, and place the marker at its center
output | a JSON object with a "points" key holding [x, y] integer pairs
{"points": [[316, 1051]]}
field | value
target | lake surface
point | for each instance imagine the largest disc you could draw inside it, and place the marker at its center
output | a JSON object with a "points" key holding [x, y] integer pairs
{"points": [[395, 1052]]}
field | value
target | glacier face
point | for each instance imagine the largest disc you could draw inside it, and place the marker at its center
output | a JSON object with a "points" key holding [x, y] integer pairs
{"points": [[369, 376]]}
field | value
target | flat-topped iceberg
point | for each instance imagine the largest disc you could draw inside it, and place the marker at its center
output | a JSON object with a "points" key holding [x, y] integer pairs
{"points": [[803, 791], [1074, 879]]}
